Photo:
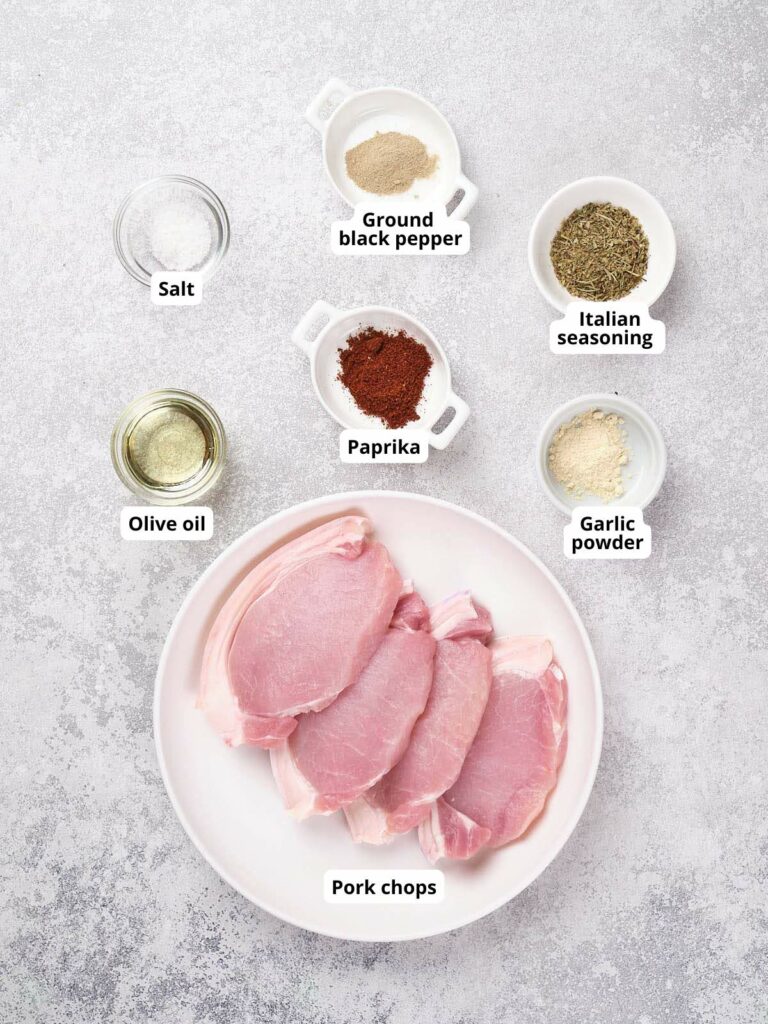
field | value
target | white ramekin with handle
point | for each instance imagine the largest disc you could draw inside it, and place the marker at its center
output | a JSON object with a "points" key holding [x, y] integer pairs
{"points": [[324, 329], [345, 118]]}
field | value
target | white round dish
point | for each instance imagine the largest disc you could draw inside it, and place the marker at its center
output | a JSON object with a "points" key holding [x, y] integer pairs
{"points": [[226, 798], [359, 115], [321, 346], [662, 249], [647, 465]]}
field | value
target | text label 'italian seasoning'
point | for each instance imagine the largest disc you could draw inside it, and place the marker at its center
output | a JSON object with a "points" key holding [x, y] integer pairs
{"points": [[192, 522], [416, 885], [594, 532], [400, 229], [615, 328]]}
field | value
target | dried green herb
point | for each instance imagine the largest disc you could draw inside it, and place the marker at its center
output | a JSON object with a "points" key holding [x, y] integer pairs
{"points": [[600, 252]]}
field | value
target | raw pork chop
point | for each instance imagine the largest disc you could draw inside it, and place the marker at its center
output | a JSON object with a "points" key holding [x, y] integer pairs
{"points": [[512, 766], [442, 736], [333, 756], [297, 631]]}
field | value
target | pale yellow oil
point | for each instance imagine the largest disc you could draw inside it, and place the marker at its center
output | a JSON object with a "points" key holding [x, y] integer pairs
{"points": [[167, 447]]}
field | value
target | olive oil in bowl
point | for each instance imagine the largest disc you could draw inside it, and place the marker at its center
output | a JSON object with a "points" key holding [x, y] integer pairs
{"points": [[169, 447]]}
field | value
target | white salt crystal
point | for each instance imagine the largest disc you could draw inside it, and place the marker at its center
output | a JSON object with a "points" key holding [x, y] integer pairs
{"points": [[179, 236]]}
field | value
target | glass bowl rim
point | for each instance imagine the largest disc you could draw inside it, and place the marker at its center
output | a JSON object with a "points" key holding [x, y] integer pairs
{"points": [[147, 186], [138, 408]]}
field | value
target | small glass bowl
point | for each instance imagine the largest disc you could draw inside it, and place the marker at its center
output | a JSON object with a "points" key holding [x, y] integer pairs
{"points": [[216, 447], [129, 230]]}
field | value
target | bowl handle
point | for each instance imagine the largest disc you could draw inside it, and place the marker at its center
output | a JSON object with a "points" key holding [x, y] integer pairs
{"points": [[468, 200], [334, 91], [460, 417], [309, 320]]}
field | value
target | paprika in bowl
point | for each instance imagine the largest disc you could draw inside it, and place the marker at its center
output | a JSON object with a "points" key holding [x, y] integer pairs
{"points": [[322, 345]]}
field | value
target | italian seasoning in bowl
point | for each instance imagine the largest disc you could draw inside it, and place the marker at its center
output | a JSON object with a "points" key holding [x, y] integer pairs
{"points": [[600, 252], [601, 239], [169, 447]]}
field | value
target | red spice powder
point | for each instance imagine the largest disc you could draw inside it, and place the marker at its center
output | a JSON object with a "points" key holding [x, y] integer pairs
{"points": [[385, 374]]}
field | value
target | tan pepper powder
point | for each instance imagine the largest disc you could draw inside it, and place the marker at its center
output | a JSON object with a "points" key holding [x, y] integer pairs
{"points": [[389, 163], [587, 455]]}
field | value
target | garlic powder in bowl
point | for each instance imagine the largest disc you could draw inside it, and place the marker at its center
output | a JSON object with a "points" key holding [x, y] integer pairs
{"points": [[601, 449], [588, 454]]}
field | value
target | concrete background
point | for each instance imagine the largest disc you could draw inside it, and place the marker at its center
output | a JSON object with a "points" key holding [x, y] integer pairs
{"points": [[656, 909]]}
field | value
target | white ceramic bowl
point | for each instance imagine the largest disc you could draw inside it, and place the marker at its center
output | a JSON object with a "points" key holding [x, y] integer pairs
{"points": [[359, 115], [226, 798], [662, 249], [647, 466], [321, 346]]}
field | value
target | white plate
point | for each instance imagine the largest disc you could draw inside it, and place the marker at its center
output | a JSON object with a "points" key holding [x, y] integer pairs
{"points": [[226, 798]]}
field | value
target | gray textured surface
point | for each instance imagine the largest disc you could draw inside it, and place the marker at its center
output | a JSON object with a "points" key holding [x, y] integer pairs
{"points": [[656, 909]]}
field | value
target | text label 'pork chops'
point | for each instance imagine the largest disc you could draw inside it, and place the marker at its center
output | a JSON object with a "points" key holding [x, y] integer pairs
{"points": [[416, 885]]}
